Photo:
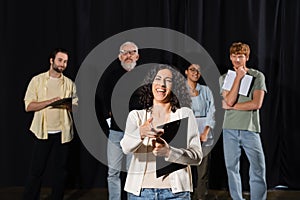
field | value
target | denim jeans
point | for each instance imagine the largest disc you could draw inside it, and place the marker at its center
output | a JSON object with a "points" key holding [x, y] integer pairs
{"points": [[115, 156], [233, 142], [159, 194]]}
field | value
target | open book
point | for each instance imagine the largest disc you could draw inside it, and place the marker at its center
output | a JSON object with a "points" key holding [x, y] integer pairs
{"points": [[175, 134], [244, 86]]}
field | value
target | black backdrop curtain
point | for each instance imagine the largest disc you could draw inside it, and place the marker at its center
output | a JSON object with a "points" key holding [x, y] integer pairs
{"points": [[29, 30]]}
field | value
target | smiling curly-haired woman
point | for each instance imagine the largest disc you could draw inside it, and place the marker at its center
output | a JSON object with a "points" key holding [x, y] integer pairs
{"points": [[165, 99], [179, 96]]}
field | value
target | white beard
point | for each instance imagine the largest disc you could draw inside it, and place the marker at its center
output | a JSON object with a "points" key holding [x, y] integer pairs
{"points": [[128, 67]]}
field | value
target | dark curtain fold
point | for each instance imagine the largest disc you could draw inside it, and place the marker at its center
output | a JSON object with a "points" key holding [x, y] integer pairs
{"points": [[29, 30]]}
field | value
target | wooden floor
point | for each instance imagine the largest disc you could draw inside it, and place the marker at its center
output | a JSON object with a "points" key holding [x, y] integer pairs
{"points": [[15, 193]]}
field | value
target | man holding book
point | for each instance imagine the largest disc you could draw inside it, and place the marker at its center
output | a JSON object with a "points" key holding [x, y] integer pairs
{"points": [[50, 95], [241, 125]]}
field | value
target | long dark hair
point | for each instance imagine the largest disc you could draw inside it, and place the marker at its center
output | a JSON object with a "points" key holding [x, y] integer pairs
{"points": [[179, 94]]}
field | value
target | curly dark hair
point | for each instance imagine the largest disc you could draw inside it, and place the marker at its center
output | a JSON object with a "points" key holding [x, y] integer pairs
{"points": [[179, 95]]}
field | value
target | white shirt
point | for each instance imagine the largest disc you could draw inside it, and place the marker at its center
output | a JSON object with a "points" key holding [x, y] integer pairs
{"points": [[180, 180]]}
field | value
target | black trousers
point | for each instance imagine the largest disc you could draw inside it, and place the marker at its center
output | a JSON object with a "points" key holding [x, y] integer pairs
{"points": [[200, 178], [42, 150]]}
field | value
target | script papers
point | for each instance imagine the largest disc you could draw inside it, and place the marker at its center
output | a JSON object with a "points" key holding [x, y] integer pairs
{"points": [[244, 86]]}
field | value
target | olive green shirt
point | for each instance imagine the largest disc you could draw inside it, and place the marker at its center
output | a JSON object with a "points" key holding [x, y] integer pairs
{"points": [[249, 119]]}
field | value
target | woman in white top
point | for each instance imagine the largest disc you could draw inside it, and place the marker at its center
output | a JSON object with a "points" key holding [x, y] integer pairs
{"points": [[166, 99]]}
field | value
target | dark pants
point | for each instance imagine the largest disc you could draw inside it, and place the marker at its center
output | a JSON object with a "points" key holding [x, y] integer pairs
{"points": [[42, 150], [200, 178]]}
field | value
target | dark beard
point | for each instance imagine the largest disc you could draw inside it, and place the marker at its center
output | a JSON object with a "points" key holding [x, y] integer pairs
{"points": [[57, 69]]}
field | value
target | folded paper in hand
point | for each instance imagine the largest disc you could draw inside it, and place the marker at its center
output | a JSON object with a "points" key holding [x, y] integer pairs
{"points": [[244, 86]]}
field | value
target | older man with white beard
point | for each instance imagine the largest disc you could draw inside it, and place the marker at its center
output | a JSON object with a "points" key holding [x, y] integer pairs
{"points": [[128, 56]]}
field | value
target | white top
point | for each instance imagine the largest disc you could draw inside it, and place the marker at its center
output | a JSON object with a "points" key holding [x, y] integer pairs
{"points": [[180, 180]]}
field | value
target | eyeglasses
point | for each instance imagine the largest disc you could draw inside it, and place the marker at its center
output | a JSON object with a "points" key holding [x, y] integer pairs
{"points": [[194, 70], [131, 52]]}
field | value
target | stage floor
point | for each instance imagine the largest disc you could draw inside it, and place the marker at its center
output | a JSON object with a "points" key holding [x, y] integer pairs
{"points": [[15, 193]]}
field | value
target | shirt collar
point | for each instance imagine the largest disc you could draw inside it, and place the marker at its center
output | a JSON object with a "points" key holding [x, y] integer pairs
{"points": [[48, 76]]}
